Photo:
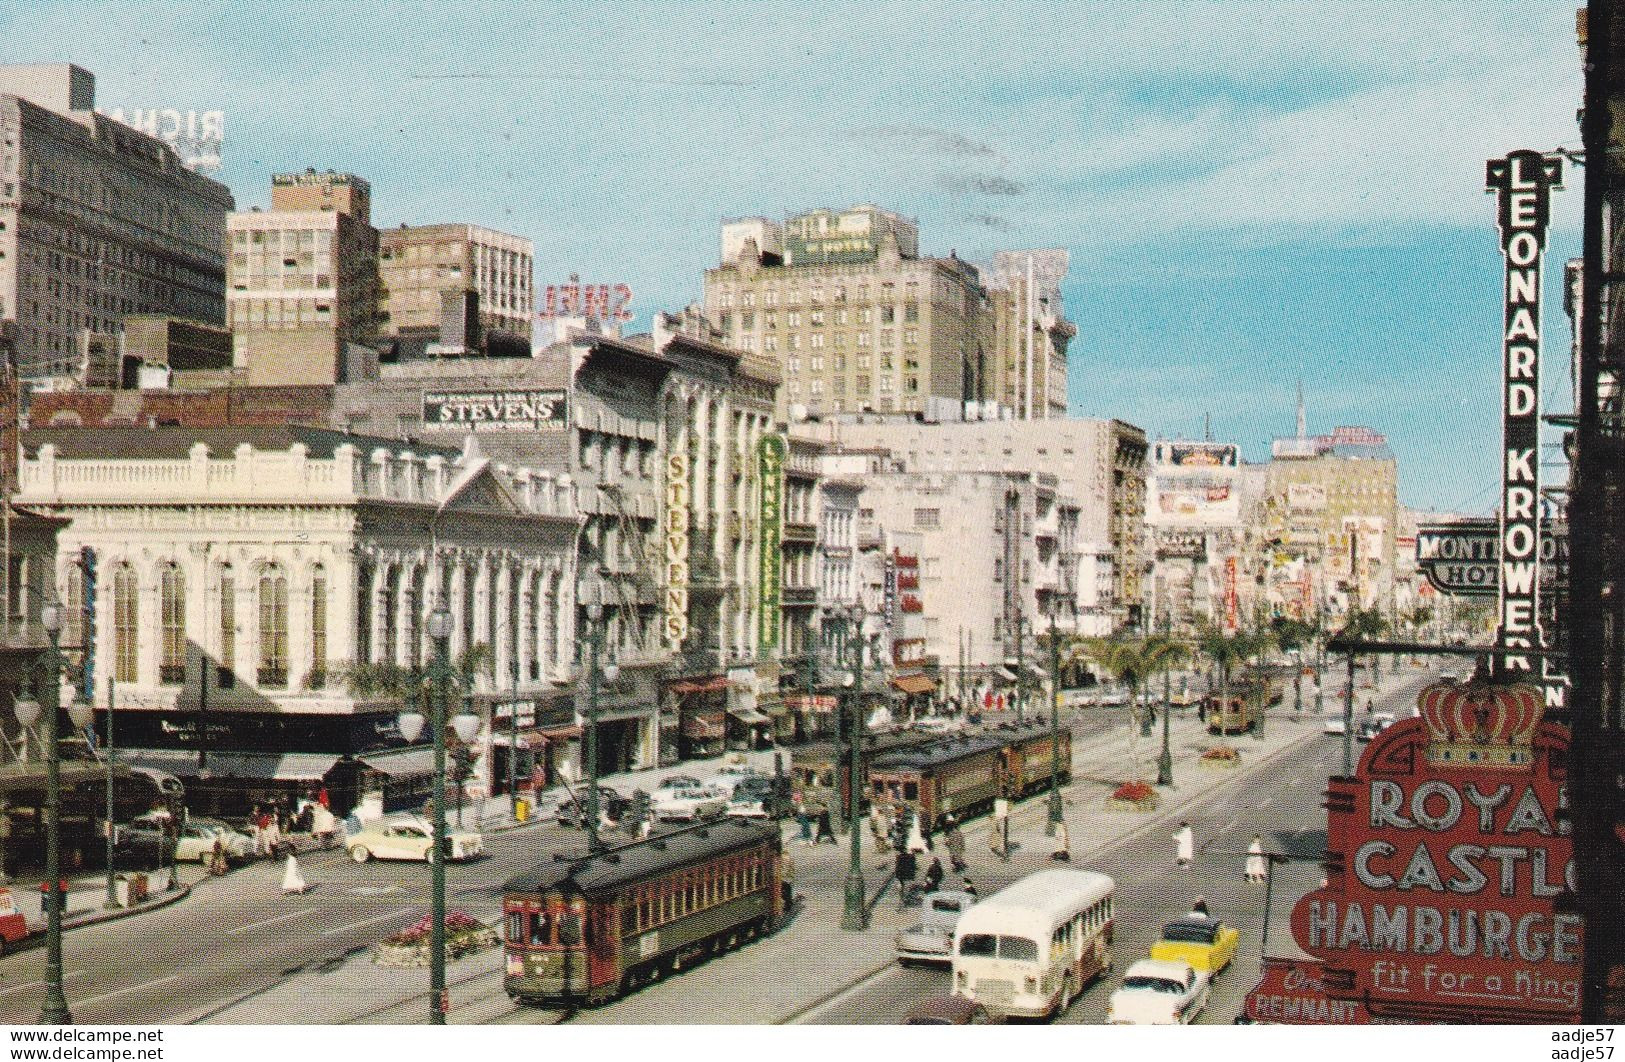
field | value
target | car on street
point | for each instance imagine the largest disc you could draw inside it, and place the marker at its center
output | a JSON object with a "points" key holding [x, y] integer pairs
{"points": [[1206, 943], [1374, 725], [731, 775], [197, 834], [752, 798], [572, 812], [1159, 992], [1335, 724], [932, 939], [408, 837], [143, 846], [687, 802], [947, 1010], [938, 724]]}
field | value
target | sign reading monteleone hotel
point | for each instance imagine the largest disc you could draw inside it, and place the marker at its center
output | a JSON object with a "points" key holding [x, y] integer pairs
{"points": [[1523, 183], [1446, 854]]}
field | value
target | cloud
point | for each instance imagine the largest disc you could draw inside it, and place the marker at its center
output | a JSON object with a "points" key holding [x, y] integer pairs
{"points": [[991, 221], [967, 183], [924, 139]]}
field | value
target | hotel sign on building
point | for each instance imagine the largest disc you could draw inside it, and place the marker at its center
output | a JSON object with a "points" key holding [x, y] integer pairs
{"points": [[770, 459]]}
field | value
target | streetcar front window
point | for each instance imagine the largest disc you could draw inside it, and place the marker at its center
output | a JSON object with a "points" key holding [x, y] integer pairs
{"points": [[541, 930]]}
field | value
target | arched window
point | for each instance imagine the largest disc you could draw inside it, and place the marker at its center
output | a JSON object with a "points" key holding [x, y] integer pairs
{"points": [[172, 624], [125, 623], [318, 627], [228, 628], [273, 671]]}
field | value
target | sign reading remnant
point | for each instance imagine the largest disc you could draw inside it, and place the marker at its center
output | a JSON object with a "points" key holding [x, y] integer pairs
{"points": [[1447, 853], [1290, 993], [675, 529], [1523, 183], [488, 412], [770, 458]]}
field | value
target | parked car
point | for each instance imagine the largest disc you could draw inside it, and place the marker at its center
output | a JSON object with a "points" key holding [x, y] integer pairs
{"points": [[932, 940], [687, 802], [937, 724], [731, 775], [611, 802], [1335, 724], [947, 1010], [1159, 992], [407, 837], [1206, 943], [143, 846], [752, 798], [195, 841]]}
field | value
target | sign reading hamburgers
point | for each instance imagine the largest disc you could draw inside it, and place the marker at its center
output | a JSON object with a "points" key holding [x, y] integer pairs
{"points": [[1448, 850]]}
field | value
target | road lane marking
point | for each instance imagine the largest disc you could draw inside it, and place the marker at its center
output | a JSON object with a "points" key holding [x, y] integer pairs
{"points": [[357, 925], [1268, 803], [270, 921], [124, 991], [37, 984]]}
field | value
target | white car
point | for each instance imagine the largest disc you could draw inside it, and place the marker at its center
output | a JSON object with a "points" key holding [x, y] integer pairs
{"points": [[407, 837], [938, 724], [932, 940], [688, 802], [729, 777], [1159, 992], [1336, 725]]}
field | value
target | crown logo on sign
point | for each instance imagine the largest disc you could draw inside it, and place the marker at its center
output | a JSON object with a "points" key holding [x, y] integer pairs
{"points": [[1479, 723]]}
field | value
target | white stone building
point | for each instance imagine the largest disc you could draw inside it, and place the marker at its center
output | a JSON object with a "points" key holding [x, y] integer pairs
{"points": [[242, 574]]}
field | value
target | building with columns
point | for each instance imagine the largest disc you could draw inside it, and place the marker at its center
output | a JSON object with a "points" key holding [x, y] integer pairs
{"points": [[260, 592]]}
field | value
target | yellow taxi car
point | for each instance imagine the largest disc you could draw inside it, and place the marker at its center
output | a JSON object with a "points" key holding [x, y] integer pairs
{"points": [[1206, 943]]}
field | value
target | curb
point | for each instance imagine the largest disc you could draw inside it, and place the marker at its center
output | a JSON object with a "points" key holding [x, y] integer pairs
{"points": [[96, 918]]}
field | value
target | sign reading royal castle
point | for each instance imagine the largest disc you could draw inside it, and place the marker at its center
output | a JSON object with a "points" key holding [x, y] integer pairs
{"points": [[1446, 855], [674, 527]]}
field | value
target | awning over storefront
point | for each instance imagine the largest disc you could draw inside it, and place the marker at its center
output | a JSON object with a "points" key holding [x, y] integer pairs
{"points": [[1038, 671], [559, 733], [271, 766], [1006, 674], [748, 716], [704, 726], [706, 685], [180, 762], [402, 763], [914, 684], [815, 703]]}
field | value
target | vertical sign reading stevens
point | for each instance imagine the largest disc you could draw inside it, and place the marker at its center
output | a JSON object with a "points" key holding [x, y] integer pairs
{"points": [[676, 535], [770, 462], [1523, 183]]}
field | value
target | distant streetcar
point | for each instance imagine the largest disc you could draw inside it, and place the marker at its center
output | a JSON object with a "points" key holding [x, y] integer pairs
{"points": [[580, 930]]}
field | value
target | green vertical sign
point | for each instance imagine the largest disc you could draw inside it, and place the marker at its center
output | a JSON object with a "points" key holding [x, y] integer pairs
{"points": [[770, 456]]}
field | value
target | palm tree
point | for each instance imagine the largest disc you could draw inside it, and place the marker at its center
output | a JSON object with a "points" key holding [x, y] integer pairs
{"points": [[1131, 661], [1224, 650], [1364, 624]]}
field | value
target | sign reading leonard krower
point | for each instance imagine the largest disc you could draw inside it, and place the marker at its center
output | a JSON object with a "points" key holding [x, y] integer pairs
{"points": [[770, 459], [491, 412], [1523, 183], [1446, 854], [675, 528]]}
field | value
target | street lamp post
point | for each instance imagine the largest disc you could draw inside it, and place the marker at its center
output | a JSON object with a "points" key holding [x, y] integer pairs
{"points": [[513, 737], [1165, 761], [855, 913], [112, 893], [1056, 816], [55, 1010], [411, 725], [597, 673]]}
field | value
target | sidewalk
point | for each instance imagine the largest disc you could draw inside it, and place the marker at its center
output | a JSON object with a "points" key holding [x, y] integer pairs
{"points": [[809, 959], [85, 902]]}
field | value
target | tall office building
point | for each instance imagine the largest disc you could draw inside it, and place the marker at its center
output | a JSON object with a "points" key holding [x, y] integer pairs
{"points": [[855, 319], [420, 265], [1027, 373], [97, 221], [303, 280]]}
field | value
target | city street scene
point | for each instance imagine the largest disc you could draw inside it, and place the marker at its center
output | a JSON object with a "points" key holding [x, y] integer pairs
{"points": [[827, 515]]}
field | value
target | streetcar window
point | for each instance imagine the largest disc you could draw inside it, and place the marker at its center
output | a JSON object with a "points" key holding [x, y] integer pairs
{"points": [[516, 927], [541, 930], [570, 930], [911, 790]]}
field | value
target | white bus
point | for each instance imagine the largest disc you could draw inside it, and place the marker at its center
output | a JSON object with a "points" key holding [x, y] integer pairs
{"points": [[1030, 949]]}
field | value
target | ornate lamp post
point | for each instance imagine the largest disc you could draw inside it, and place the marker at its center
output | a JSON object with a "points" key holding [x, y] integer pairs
{"points": [[112, 894], [1165, 761], [513, 736], [49, 691], [467, 726], [1056, 816], [597, 673], [855, 913]]}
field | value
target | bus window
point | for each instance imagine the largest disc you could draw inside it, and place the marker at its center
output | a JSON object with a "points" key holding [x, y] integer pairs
{"points": [[980, 945], [1018, 948]]}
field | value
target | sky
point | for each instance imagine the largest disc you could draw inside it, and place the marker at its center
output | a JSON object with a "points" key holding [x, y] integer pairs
{"points": [[1253, 194]]}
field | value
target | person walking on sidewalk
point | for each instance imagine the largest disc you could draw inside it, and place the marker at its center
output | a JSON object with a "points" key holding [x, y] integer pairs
{"points": [[804, 823], [826, 828], [956, 846], [906, 869], [999, 842], [1184, 845], [879, 827], [1258, 868], [934, 875]]}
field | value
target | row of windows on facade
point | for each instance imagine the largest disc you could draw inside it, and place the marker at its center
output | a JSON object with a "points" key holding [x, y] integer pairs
{"points": [[861, 363], [815, 388], [886, 291], [115, 201], [818, 319]]}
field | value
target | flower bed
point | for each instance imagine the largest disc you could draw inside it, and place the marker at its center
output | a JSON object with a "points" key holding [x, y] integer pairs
{"points": [[1133, 796], [410, 947], [1221, 756]]}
